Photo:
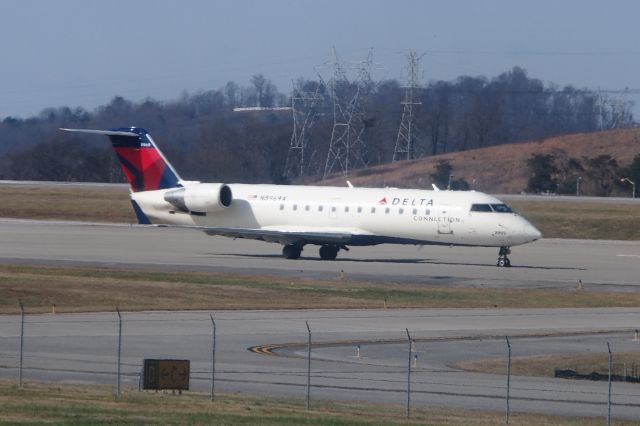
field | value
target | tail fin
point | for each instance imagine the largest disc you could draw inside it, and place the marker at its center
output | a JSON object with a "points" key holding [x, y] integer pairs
{"points": [[141, 160]]}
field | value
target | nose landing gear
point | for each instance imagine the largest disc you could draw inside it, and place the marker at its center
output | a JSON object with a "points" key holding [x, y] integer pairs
{"points": [[503, 260]]}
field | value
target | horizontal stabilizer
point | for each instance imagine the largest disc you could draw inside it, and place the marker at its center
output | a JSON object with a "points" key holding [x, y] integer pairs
{"points": [[103, 132]]}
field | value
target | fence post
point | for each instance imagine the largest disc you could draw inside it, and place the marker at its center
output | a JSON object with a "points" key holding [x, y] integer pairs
{"points": [[409, 375], [213, 357], [508, 378], [308, 365], [21, 342], [609, 393], [119, 348]]}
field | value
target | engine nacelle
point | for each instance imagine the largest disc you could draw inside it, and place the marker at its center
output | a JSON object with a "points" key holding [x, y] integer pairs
{"points": [[202, 197]]}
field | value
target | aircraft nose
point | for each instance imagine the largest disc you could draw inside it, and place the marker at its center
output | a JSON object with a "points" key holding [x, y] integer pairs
{"points": [[532, 232]]}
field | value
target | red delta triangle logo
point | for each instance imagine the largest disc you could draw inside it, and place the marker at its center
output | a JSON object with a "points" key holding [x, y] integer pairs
{"points": [[383, 201]]}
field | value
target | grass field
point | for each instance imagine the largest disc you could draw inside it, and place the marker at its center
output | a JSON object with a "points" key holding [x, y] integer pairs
{"points": [[544, 365], [101, 289], [64, 404], [584, 220], [111, 204], [59, 202]]}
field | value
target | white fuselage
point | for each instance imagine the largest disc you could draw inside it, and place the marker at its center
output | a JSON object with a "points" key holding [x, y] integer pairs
{"points": [[373, 215]]}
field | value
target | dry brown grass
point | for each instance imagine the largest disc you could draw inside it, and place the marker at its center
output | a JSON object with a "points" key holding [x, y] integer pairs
{"points": [[81, 404], [59, 202], [580, 219], [102, 289], [545, 365], [500, 169]]}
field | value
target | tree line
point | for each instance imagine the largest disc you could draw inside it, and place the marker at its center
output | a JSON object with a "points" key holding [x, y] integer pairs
{"points": [[561, 174], [206, 140]]}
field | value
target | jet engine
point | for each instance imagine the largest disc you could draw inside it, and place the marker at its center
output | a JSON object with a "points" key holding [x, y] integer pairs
{"points": [[203, 197]]}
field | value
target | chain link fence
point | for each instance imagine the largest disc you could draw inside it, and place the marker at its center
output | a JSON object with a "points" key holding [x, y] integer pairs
{"points": [[109, 348]]}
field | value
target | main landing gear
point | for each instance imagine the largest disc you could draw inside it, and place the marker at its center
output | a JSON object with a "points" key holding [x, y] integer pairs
{"points": [[291, 251], [503, 260], [327, 251]]}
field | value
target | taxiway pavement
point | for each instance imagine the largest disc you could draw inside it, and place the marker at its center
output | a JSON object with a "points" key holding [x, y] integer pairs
{"points": [[83, 348], [611, 265]]}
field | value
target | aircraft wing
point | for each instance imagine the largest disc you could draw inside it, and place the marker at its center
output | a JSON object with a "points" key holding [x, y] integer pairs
{"points": [[282, 236]]}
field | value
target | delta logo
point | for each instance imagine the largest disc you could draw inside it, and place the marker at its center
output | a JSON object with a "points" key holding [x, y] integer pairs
{"points": [[406, 201]]}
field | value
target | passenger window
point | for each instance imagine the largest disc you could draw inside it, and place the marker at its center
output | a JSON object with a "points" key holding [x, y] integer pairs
{"points": [[281, 206], [481, 208], [333, 208], [295, 207], [415, 211], [387, 210], [319, 208], [373, 209], [359, 209], [400, 211], [306, 208], [346, 209]]}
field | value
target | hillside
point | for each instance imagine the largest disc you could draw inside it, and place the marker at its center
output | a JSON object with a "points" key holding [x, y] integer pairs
{"points": [[500, 169]]}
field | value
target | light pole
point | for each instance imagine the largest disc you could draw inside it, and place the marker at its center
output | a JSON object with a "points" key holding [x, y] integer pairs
{"points": [[578, 185], [633, 185], [213, 356], [508, 378]]}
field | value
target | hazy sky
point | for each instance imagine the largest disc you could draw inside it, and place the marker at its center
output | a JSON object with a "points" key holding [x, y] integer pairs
{"points": [[84, 52]]}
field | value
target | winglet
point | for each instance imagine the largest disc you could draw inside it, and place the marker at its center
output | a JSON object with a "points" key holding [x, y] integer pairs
{"points": [[349, 184], [435, 187]]}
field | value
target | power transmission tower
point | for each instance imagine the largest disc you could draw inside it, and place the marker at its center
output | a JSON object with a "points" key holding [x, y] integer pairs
{"points": [[304, 106], [405, 142], [347, 148]]}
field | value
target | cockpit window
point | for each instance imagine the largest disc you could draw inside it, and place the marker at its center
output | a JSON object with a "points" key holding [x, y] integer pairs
{"points": [[501, 208], [481, 208], [498, 208]]}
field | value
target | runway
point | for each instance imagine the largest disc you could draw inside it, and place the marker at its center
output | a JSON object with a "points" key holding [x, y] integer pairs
{"points": [[607, 265], [83, 347]]}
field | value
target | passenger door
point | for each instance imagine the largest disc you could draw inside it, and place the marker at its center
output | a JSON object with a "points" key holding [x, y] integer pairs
{"points": [[444, 225]]}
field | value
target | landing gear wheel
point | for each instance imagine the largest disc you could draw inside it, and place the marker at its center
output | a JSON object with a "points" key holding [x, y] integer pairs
{"points": [[328, 252], [503, 260], [291, 251]]}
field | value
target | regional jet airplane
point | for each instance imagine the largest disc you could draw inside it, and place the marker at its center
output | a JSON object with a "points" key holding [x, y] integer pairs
{"points": [[333, 218]]}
